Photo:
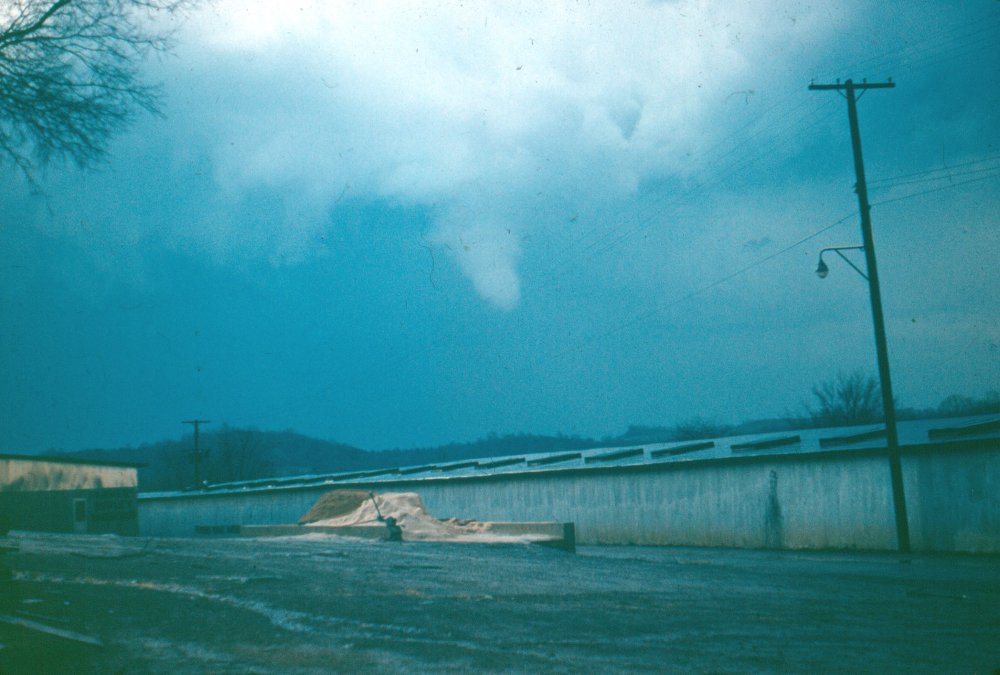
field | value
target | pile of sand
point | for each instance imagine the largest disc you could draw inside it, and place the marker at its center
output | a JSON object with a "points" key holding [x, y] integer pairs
{"points": [[335, 504], [341, 508]]}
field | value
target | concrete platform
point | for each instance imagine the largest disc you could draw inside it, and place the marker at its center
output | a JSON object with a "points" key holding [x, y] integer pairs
{"points": [[555, 535]]}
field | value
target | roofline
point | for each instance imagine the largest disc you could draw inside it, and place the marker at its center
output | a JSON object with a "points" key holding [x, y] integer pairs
{"points": [[754, 442], [916, 450], [59, 459]]}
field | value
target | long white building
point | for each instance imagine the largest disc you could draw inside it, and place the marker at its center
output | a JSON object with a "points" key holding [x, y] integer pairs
{"points": [[809, 489]]}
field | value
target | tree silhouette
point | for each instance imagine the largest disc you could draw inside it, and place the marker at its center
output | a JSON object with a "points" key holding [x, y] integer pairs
{"points": [[69, 75], [853, 398], [241, 455]]}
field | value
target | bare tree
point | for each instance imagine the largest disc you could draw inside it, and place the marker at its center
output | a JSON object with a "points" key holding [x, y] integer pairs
{"points": [[241, 455], [957, 405], [69, 75], [854, 398]]}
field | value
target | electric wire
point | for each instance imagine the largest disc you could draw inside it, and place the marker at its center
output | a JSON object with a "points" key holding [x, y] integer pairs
{"points": [[937, 189], [956, 35], [701, 289], [957, 41], [932, 179], [943, 46], [943, 168], [655, 210]]}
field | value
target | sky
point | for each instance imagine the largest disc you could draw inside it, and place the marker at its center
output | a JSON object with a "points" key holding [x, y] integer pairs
{"points": [[404, 224]]}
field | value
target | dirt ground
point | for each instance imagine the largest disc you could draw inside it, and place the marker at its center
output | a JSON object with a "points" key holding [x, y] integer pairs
{"points": [[322, 604]]}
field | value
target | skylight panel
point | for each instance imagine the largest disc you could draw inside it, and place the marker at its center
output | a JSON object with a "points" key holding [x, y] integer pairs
{"points": [[834, 441], [767, 444], [682, 449], [617, 454]]}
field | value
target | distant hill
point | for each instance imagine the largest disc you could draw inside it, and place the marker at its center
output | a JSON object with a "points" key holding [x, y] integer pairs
{"points": [[234, 454], [247, 453]]}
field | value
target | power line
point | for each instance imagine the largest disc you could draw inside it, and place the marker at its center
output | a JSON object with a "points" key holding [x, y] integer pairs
{"points": [[702, 289], [942, 43], [955, 37], [927, 172], [932, 179], [654, 211], [733, 154], [937, 189]]}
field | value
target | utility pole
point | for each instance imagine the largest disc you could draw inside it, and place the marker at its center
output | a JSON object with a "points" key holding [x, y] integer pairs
{"points": [[881, 349], [197, 454]]}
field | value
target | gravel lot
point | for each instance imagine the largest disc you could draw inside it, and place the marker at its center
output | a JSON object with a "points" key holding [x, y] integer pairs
{"points": [[322, 604]]}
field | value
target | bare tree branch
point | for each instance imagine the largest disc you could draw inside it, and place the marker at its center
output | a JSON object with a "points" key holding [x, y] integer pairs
{"points": [[70, 75], [854, 398]]}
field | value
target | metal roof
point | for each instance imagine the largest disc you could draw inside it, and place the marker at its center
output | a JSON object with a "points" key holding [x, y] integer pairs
{"points": [[777, 444]]}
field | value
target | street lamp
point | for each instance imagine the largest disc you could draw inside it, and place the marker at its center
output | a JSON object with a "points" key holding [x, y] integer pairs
{"points": [[822, 270], [889, 408]]}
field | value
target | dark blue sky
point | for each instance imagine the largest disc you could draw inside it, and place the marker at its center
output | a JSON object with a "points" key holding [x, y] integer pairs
{"points": [[421, 223]]}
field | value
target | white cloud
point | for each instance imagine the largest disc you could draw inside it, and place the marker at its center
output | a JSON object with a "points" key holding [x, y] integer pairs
{"points": [[487, 253], [481, 103]]}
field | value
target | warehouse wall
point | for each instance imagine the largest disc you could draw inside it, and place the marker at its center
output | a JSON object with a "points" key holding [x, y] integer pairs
{"points": [[179, 516], [752, 504], [830, 500], [954, 501]]}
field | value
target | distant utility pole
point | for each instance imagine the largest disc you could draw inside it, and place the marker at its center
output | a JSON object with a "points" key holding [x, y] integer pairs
{"points": [[197, 454], [881, 349]]}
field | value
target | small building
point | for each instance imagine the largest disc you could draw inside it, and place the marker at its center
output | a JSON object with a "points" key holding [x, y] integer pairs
{"points": [[60, 494]]}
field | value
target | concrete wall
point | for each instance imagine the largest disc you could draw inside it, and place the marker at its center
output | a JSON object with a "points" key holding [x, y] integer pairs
{"points": [[823, 500]]}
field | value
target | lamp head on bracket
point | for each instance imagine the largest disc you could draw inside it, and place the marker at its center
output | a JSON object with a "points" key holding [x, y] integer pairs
{"points": [[822, 270]]}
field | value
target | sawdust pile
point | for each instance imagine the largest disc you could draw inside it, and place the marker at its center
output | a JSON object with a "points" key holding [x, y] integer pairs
{"points": [[341, 508], [335, 504]]}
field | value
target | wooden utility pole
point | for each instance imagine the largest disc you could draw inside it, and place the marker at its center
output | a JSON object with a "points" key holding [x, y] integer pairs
{"points": [[881, 348], [196, 455]]}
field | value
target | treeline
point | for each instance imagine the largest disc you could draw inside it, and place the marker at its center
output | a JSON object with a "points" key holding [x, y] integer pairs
{"points": [[957, 406], [856, 398], [234, 454]]}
